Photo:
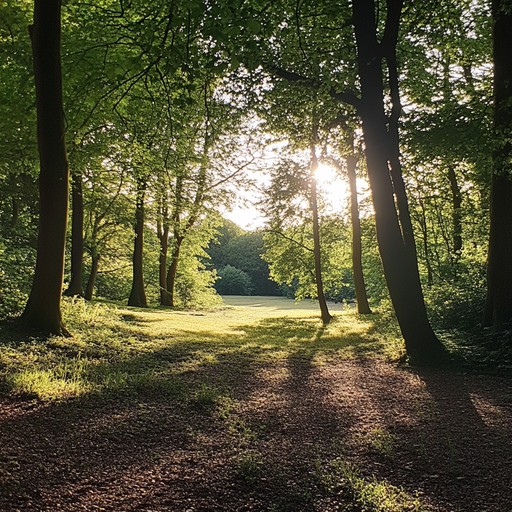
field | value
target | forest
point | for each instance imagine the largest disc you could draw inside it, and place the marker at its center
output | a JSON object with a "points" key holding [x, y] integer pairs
{"points": [[255, 255]]}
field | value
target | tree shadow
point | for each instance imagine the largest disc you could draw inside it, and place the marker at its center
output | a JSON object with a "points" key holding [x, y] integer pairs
{"points": [[449, 435], [242, 421]]}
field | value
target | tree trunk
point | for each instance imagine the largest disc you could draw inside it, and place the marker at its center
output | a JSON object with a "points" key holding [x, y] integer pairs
{"points": [[89, 290], [363, 308], [456, 213], [426, 247], [42, 311], [324, 310], [138, 295], [173, 269], [398, 258], [77, 237], [165, 296], [498, 311]]}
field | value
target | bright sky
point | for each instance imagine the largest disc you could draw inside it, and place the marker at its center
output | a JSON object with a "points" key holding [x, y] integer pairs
{"points": [[334, 190]]}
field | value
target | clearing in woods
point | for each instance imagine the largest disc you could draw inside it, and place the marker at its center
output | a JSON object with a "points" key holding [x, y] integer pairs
{"points": [[251, 406]]}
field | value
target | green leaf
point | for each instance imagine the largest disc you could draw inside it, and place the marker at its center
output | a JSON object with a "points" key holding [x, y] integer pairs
{"points": [[254, 26]]}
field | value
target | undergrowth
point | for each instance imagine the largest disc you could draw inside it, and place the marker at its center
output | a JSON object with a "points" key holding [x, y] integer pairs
{"points": [[115, 349]]}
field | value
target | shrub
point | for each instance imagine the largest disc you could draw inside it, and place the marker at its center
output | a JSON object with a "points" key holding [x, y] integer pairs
{"points": [[233, 281]]}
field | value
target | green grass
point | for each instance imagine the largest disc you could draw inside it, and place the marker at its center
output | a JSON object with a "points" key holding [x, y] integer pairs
{"points": [[370, 494], [154, 351]]}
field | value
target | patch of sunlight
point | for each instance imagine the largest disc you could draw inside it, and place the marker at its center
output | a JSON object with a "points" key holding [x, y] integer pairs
{"points": [[491, 414], [117, 348], [370, 494], [63, 380]]}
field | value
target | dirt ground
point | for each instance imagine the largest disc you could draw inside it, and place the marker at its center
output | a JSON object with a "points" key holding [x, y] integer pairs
{"points": [[443, 436]]}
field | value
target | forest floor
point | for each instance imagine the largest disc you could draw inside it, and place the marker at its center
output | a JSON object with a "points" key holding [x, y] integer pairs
{"points": [[251, 407]]}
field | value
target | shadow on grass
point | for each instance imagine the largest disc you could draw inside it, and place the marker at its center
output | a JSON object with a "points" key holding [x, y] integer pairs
{"points": [[215, 419], [127, 355], [152, 411]]}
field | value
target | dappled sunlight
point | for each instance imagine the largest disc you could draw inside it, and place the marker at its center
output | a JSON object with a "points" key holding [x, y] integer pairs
{"points": [[165, 402], [134, 348], [493, 415]]}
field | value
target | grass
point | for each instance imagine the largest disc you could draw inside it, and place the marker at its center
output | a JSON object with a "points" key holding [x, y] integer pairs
{"points": [[371, 495], [381, 441], [152, 351], [200, 359]]}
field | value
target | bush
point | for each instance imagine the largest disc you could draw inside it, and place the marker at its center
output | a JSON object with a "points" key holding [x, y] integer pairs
{"points": [[14, 283], [455, 306], [233, 281], [12, 299], [194, 288]]}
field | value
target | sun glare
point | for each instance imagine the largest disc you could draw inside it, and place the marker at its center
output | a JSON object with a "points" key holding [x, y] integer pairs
{"points": [[333, 187], [325, 174]]}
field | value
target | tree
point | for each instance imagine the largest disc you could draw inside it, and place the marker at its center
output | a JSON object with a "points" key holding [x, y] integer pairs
{"points": [[350, 166], [498, 311], [243, 250], [394, 228], [317, 251], [42, 311], [138, 294], [375, 50], [233, 281], [75, 287]]}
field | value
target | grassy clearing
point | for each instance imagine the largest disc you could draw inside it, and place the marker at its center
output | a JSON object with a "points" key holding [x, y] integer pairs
{"points": [[117, 349]]}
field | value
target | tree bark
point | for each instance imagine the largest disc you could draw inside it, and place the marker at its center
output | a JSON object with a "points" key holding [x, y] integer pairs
{"points": [[456, 213], [163, 236], [498, 311], [173, 269], [89, 289], [138, 294], [42, 311], [324, 310], [363, 308], [398, 257], [77, 237]]}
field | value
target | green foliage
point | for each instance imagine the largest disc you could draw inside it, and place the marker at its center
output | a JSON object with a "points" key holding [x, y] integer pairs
{"points": [[456, 307], [115, 283], [250, 467], [194, 285], [233, 281], [244, 251], [14, 285], [183, 97], [290, 256]]}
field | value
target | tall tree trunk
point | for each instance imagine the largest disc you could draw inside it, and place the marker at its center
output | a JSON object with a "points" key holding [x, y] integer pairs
{"points": [[42, 311], [498, 311], [398, 257], [324, 310], [77, 237], [138, 295], [456, 213], [89, 289], [165, 296], [173, 268], [363, 307], [426, 247], [388, 50]]}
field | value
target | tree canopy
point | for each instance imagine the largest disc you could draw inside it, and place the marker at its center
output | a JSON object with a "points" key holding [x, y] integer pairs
{"points": [[168, 111]]}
